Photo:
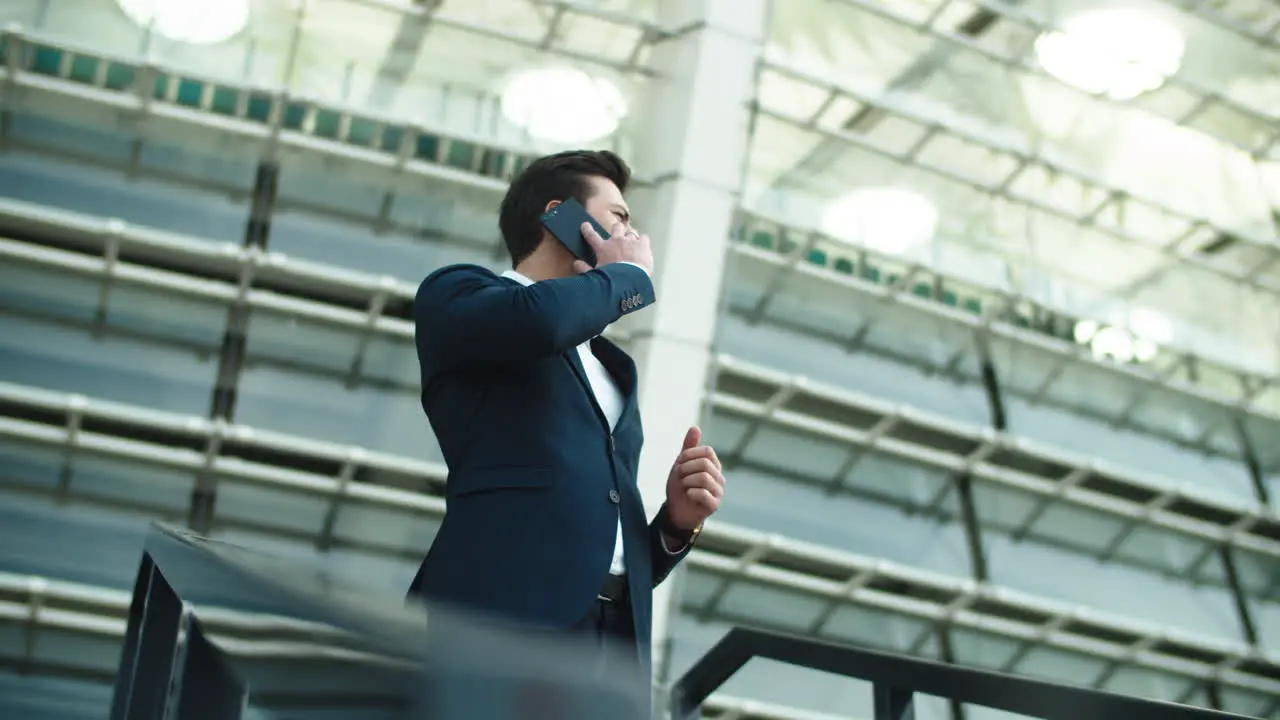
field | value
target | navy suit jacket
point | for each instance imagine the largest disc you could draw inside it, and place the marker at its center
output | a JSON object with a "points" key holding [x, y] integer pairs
{"points": [[536, 478]]}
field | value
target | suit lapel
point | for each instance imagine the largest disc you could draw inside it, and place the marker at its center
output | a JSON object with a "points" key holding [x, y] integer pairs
{"points": [[580, 372], [623, 369], [620, 367]]}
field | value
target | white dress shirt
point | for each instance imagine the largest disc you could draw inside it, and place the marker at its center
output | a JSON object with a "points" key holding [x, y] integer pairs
{"points": [[610, 400]]}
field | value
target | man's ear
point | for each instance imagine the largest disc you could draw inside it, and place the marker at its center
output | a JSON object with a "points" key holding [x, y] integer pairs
{"points": [[552, 204]]}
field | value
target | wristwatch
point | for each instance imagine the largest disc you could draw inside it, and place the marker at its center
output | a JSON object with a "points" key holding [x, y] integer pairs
{"points": [[669, 529]]}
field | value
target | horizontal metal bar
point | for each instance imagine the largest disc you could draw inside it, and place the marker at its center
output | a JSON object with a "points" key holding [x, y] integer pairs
{"points": [[257, 643], [886, 599], [350, 296], [1069, 352], [128, 106], [443, 17], [357, 321], [353, 290], [357, 292], [1025, 16], [1121, 506], [1021, 152], [754, 219], [737, 708], [898, 592], [1023, 696]]}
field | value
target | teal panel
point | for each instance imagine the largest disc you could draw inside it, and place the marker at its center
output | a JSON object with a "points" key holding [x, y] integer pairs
{"points": [[46, 60], [494, 163], [428, 147], [361, 131], [190, 92], [392, 136], [120, 76], [461, 155], [327, 125], [259, 108], [84, 69], [295, 114], [160, 88], [225, 100]]}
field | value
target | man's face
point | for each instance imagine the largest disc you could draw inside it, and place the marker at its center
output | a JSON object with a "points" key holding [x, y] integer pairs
{"points": [[606, 204]]}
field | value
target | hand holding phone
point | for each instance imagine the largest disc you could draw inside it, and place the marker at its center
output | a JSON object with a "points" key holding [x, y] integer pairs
{"points": [[624, 245], [571, 224]]}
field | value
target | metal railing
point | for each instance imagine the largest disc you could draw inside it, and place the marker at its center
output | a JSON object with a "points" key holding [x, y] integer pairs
{"points": [[896, 679], [403, 659], [312, 473], [172, 667]]}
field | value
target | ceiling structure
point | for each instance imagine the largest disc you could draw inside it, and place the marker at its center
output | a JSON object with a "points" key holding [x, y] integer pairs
{"points": [[1149, 207], [1159, 206], [1155, 203]]}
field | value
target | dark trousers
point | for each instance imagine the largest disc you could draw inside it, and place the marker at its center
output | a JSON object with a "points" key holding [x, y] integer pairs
{"points": [[609, 625]]}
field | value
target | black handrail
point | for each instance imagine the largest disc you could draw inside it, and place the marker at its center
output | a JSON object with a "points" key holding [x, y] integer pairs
{"points": [[169, 668], [312, 641], [896, 678]]}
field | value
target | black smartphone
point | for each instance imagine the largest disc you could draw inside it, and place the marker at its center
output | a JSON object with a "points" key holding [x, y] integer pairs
{"points": [[565, 222]]}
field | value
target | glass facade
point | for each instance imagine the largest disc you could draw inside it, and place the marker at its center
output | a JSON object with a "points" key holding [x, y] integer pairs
{"points": [[987, 336]]}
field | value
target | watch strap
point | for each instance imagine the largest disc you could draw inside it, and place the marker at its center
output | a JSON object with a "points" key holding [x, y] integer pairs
{"points": [[669, 528]]}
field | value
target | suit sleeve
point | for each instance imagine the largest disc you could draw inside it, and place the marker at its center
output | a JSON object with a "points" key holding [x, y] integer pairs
{"points": [[464, 315], [664, 561]]}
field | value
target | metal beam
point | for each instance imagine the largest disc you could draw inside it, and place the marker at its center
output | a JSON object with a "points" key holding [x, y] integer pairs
{"points": [[402, 54], [222, 406], [902, 674], [972, 528], [1249, 455], [307, 468], [827, 151], [990, 380], [947, 651], [1248, 629], [891, 703]]}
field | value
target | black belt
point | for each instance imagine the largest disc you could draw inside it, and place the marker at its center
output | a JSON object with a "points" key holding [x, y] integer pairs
{"points": [[614, 590]]}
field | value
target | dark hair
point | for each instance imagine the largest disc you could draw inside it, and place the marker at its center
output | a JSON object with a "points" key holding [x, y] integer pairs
{"points": [[553, 177]]}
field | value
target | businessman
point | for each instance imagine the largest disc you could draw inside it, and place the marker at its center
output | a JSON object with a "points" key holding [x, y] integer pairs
{"points": [[537, 418]]}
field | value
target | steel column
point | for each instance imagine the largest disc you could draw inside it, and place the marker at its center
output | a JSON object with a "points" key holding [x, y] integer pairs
{"points": [[234, 340]]}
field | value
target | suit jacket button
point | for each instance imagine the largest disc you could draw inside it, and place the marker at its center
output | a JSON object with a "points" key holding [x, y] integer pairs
{"points": [[614, 497]]}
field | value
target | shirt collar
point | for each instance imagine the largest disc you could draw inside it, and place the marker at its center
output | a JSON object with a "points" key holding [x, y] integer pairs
{"points": [[513, 275]]}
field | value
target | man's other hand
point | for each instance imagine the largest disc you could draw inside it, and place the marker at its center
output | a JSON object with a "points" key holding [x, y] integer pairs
{"points": [[624, 245], [695, 485]]}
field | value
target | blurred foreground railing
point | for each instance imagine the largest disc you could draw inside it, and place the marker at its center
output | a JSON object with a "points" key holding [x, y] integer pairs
{"points": [[311, 644], [896, 679], [320, 646]]}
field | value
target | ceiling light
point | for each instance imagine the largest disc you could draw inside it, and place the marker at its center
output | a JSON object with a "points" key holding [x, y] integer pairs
{"points": [[199, 22], [888, 219], [1148, 330], [1119, 53], [563, 105]]}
